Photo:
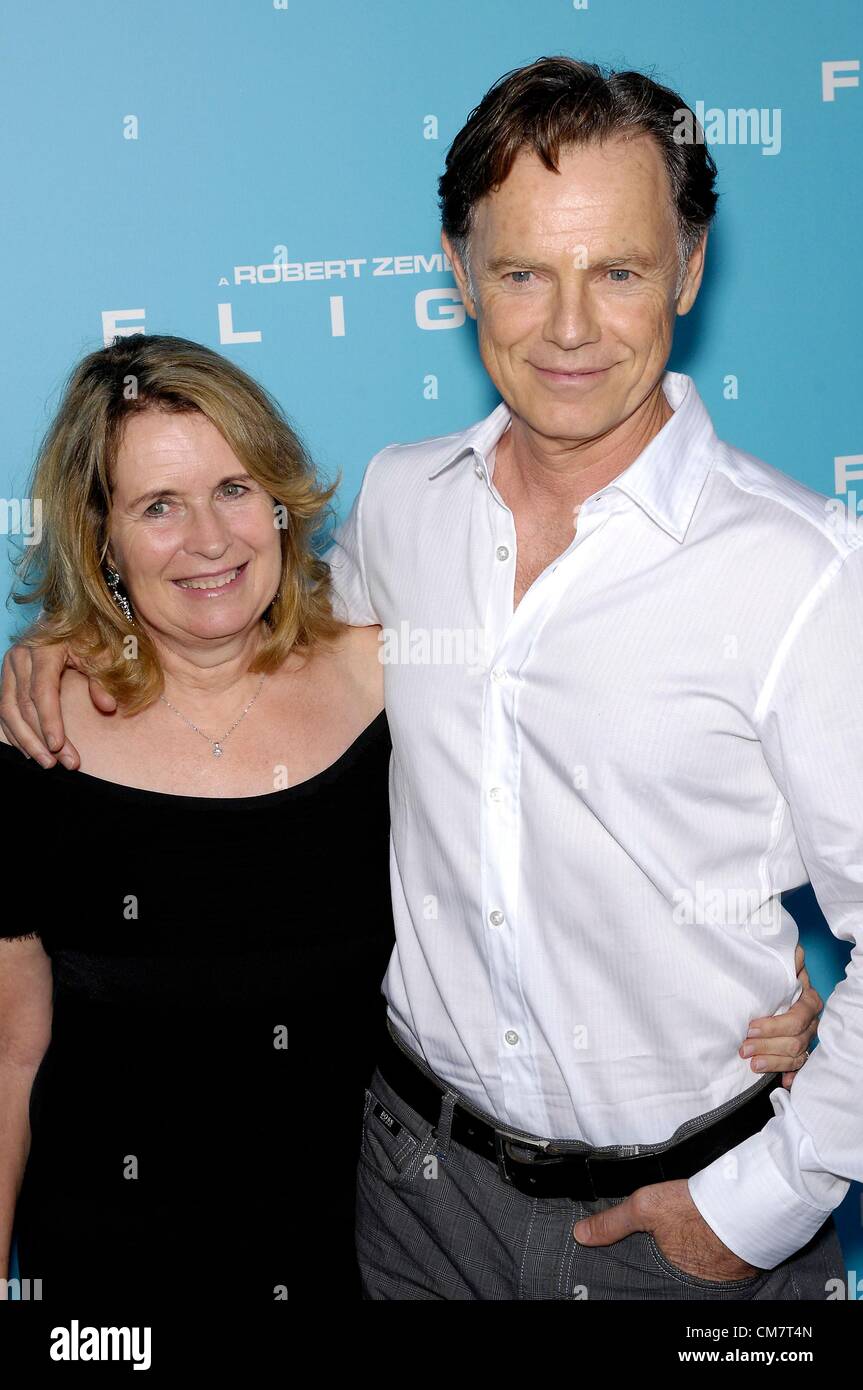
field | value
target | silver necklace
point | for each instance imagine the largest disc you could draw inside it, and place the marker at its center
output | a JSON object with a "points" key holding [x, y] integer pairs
{"points": [[218, 750]]}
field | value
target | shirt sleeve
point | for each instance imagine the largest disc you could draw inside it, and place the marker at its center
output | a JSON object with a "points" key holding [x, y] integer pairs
{"points": [[352, 602], [768, 1196]]}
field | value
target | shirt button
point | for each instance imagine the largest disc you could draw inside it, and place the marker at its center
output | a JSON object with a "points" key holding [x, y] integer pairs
{"points": [[496, 917], [496, 794], [478, 469], [511, 1037], [502, 552], [499, 673]]}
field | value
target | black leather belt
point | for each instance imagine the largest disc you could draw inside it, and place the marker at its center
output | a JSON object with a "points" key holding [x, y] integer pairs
{"points": [[589, 1174]]}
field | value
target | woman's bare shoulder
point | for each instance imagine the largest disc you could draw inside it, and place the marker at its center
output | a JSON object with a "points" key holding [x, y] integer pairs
{"points": [[351, 647], [349, 662], [81, 718], [362, 639], [361, 651]]}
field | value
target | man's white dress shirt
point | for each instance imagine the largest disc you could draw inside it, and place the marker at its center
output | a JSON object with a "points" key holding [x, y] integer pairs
{"points": [[597, 799]]}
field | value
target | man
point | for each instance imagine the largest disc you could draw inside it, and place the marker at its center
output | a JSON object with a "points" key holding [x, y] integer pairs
{"points": [[593, 819], [667, 685]]}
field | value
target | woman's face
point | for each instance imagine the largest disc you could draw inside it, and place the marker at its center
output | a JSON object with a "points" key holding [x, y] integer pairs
{"points": [[191, 534]]}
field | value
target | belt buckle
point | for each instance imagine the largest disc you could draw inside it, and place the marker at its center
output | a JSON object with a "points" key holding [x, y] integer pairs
{"points": [[500, 1155], [500, 1142]]}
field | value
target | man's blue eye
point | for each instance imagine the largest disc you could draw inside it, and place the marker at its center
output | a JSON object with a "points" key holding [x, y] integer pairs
{"points": [[620, 272], [515, 273]]}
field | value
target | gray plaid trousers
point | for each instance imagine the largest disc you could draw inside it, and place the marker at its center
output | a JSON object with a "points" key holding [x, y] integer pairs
{"points": [[434, 1220]]}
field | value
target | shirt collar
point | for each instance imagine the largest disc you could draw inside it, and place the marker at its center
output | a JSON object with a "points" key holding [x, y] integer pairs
{"points": [[667, 478], [478, 439]]}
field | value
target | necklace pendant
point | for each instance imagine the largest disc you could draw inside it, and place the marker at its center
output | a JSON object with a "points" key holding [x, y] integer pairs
{"points": [[217, 750]]}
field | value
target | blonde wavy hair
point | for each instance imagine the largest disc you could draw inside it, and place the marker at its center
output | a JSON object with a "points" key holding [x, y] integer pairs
{"points": [[72, 478]]}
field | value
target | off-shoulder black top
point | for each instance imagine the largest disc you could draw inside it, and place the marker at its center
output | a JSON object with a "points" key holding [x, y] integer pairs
{"points": [[217, 966]]}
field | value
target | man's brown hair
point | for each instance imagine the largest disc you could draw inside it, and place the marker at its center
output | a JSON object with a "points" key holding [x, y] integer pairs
{"points": [[558, 102]]}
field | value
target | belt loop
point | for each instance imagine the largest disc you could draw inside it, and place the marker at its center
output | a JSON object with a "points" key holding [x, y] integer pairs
{"points": [[444, 1124]]}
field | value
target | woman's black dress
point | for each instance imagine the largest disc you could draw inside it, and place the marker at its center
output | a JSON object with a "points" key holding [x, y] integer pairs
{"points": [[217, 968]]}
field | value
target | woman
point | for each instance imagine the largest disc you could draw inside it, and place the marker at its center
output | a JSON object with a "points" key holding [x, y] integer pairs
{"points": [[218, 867], [180, 887]]}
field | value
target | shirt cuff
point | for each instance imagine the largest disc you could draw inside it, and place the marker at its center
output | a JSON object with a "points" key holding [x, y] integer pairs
{"points": [[749, 1203]]}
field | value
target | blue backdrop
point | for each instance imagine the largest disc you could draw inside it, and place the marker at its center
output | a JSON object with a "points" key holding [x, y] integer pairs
{"points": [[260, 175]]}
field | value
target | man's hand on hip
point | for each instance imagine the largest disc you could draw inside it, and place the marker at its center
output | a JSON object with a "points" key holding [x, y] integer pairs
{"points": [[683, 1236]]}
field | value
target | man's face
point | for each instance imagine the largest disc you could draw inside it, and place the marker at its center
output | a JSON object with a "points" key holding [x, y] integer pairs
{"points": [[575, 276]]}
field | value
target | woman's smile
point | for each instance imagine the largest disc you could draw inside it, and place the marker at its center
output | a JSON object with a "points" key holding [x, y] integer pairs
{"points": [[209, 586]]}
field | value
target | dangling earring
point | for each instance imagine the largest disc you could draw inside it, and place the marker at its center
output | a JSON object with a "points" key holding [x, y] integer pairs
{"points": [[118, 595]]}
